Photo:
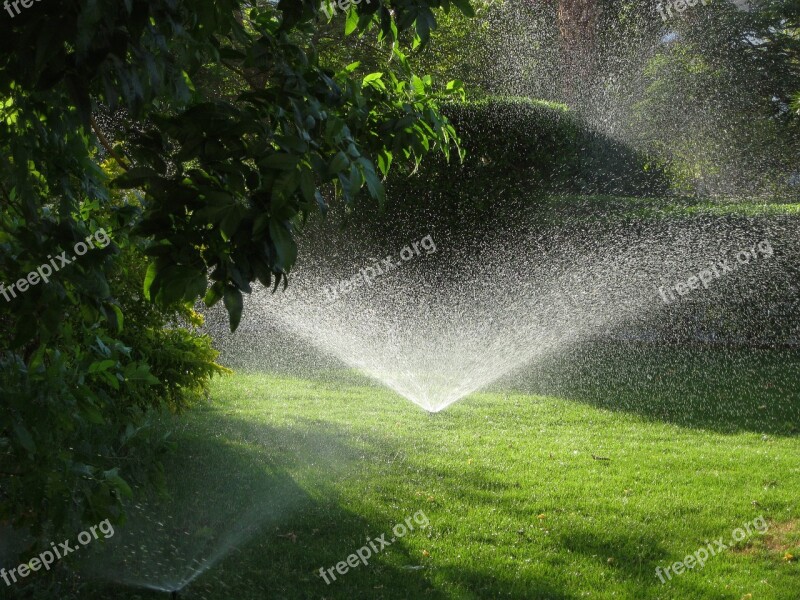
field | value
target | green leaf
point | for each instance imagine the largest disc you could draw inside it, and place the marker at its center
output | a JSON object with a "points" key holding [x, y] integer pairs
{"points": [[214, 294], [354, 181], [135, 177], [140, 372], [307, 185], [231, 220], [323, 206], [112, 476], [102, 365], [120, 317], [110, 379], [384, 161], [113, 315], [334, 129], [465, 7], [149, 278], [24, 437], [351, 23], [285, 246], [372, 77], [92, 414], [338, 163], [234, 304], [292, 142], [418, 85], [374, 185], [262, 272], [281, 161], [180, 282]]}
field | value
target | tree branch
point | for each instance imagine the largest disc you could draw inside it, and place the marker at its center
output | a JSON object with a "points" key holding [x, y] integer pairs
{"points": [[106, 145]]}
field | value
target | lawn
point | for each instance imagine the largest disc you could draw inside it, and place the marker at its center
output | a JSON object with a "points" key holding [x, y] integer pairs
{"points": [[291, 475]]}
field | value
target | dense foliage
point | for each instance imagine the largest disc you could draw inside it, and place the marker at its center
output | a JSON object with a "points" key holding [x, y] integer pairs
{"points": [[223, 125], [718, 97]]}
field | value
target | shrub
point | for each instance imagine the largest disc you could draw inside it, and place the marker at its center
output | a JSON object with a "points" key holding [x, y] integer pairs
{"points": [[85, 364]]}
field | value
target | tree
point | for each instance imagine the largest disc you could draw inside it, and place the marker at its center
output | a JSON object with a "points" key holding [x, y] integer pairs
{"points": [[577, 22], [718, 93], [198, 133]]}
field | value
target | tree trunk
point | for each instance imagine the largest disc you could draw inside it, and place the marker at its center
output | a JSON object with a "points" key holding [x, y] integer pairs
{"points": [[577, 24]]}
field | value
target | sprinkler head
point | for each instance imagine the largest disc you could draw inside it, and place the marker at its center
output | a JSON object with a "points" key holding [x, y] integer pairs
{"points": [[174, 594]]}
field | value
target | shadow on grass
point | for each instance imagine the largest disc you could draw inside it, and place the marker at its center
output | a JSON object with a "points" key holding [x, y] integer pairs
{"points": [[285, 557], [234, 523], [726, 390], [478, 584]]}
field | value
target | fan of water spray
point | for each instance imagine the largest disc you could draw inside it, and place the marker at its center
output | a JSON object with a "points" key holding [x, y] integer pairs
{"points": [[221, 500], [453, 319]]}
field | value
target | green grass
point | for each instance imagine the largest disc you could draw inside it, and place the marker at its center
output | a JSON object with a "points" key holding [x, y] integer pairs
{"points": [[517, 505], [602, 207]]}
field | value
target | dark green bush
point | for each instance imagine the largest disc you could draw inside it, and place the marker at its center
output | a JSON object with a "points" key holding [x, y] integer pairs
{"points": [[525, 147], [519, 153]]}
